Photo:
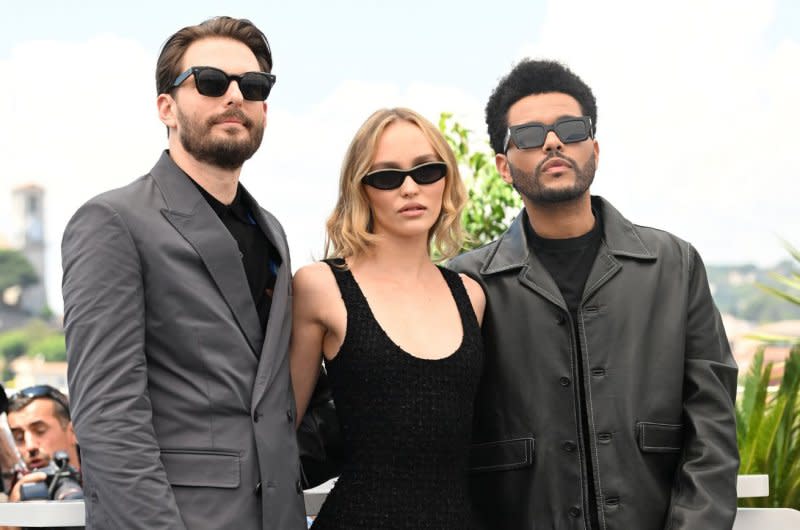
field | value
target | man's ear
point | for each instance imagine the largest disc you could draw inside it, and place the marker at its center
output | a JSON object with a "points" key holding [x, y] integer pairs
{"points": [[596, 153], [166, 110], [501, 161], [71, 434]]}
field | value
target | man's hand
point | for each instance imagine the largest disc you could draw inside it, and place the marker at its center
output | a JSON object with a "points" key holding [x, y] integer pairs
{"points": [[37, 476]]}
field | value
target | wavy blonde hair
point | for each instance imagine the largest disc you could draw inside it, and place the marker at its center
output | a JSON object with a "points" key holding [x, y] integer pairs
{"points": [[349, 226]]}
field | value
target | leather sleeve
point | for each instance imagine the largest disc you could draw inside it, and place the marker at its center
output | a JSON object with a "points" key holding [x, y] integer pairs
{"points": [[104, 316], [319, 437], [704, 491]]}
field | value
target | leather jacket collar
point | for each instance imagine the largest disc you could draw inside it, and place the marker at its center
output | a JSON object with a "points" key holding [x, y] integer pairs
{"points": [[620, 238]]}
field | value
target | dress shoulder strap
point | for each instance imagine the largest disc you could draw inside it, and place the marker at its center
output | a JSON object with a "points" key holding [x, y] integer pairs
{"points": [[349, 289]]}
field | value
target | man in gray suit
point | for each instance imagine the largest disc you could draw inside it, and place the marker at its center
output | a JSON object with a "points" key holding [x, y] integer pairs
{"points": [[177, 313]]}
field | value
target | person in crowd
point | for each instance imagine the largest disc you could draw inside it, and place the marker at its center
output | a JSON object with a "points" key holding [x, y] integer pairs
{"points": [[399, 335], [177, 312], [39, 419], [607, 400]]}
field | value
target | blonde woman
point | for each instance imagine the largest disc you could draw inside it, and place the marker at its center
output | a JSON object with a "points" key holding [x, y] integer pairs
{"points": [[399, 335]]}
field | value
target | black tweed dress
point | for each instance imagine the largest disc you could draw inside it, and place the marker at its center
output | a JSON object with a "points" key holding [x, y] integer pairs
{"points": [[406, 424]]}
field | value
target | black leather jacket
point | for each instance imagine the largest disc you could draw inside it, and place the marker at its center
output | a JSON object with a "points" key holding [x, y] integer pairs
{"points": [[659, 380]]}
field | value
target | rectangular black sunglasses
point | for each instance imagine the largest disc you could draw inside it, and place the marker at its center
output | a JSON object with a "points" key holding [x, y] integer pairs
{"points": [[213, 82], [532, 135], [389, 179]]}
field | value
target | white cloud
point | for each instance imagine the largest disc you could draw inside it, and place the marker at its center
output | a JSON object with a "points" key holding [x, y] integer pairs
{"points": [[82, 120], [697, 117], [92, 126], [697, 125]]}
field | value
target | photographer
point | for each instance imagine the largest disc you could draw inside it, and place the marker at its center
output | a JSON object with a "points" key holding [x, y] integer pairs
{"points": [[40, 423]]}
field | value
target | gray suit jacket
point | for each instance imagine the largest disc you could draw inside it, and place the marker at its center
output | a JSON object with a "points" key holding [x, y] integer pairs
{"points": [[181, 403]]}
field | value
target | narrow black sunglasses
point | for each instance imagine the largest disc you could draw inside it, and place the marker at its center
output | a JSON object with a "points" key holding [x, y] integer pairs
{"points": [[389, 179], [213, 82], [532, 135]]}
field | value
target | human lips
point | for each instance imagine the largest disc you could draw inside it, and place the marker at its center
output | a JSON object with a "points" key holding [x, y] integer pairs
{"points": [[556, 164], [232, 118], [412, 209], [36, 463]]}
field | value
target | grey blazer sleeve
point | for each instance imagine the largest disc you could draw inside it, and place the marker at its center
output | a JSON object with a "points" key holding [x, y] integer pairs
{"points": [[704, 491], [104, 317]]}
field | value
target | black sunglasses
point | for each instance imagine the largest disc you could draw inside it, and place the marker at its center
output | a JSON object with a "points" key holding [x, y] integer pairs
{"points": [[41, 391], [531, 135], [389, 179], [213, 82]]}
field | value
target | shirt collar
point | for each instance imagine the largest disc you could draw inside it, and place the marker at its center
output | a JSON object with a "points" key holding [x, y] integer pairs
{"points": [[237, 207]]}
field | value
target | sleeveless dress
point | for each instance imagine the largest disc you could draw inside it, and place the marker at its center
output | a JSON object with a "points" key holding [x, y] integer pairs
{"points": [[406, 423]]}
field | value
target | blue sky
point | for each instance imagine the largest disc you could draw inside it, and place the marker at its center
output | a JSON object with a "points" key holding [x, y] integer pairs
{"points": [[697, 102]]}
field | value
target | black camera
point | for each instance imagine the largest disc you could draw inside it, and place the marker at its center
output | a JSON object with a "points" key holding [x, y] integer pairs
{"points": [[63, 482]]}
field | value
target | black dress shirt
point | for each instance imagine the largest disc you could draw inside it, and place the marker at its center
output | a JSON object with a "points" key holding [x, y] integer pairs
{"points": [[259, 257]]}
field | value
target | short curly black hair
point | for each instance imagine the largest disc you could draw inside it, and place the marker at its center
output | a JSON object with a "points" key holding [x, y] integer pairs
{"points": [[531, 77]]}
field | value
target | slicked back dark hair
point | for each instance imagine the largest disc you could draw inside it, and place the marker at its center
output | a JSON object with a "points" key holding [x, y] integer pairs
{"points": [[531, 77], [240, 29]]}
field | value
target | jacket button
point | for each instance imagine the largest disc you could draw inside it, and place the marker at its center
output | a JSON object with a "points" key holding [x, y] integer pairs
{"points": [[258, 489], [574, 511], [604, 437], [564, 381], [569, 447], [299, 487], [256, 415], [561, 319]]}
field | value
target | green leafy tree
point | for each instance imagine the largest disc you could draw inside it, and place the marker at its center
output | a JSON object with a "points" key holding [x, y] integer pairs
{"points": [[53, 348], [34, 339], [15, 269], [492, 203], [13, 344]]}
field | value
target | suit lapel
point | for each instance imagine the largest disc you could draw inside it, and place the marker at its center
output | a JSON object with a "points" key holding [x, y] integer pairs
{"points": [[195, 220], [274, 349]]}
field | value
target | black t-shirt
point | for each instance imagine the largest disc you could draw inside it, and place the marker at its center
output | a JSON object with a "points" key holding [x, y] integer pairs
{"points": [[569, 262], [259, 257]]}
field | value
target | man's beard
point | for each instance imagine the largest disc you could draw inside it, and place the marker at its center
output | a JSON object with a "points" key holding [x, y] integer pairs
{"points": [[531, 187], [225, 153]]}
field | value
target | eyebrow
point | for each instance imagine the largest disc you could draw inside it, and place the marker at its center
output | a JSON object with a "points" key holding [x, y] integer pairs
{"points": [[561, 117], [414, 163]]}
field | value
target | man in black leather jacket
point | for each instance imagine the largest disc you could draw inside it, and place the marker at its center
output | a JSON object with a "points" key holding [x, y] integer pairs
{"points": [[607, 400]]}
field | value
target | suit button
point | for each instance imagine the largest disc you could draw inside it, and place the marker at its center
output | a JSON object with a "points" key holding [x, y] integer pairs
{"points": [[574, 511], [604, 437], [561, 319], [289, 416], [258, 489], [564, 381], [299, 487], [256, 416], [569, 447]]}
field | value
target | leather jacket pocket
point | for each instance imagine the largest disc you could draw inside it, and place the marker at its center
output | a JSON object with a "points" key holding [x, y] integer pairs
{"points": [[659, 437], [202, 468], [501, 455]]}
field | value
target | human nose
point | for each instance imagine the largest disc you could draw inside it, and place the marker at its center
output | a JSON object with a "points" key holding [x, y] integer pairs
{"points": [[234, 93], [552, 142], [29, 444], [409, 187]]}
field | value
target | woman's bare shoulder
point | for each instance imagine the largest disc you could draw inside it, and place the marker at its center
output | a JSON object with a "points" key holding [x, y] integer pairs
{"points": [[314, 279]]}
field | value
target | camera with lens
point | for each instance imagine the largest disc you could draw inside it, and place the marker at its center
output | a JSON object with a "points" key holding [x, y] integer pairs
{"points": [[63, 482]]}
